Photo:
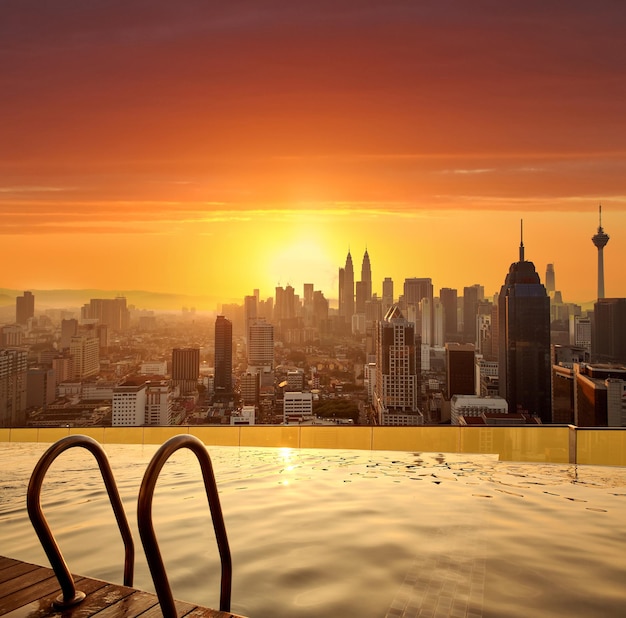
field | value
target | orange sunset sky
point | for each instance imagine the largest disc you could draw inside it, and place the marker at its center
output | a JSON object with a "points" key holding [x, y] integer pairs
{"points": [[209, 148]]}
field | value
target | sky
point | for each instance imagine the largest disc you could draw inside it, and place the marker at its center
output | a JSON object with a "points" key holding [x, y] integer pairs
{"points": [[210, 148]]}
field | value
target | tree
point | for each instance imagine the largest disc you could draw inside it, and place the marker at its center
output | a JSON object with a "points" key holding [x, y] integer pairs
{"points": [[337, 408]]}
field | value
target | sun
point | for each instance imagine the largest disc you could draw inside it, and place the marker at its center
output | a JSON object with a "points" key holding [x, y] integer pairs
{"points": [[303, 260]]}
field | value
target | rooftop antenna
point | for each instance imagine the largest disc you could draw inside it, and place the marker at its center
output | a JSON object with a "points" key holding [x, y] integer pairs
{"points": [[521, 244], [600, 222]]}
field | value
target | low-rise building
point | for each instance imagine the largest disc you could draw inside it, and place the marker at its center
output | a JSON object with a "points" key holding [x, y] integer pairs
{"points": [[473, 405], [297, 406]]}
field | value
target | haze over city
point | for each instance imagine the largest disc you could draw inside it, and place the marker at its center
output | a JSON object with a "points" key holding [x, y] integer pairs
{"points": [[209, 149]]}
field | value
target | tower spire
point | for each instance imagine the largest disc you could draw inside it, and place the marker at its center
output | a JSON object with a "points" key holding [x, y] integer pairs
{"points": [[600, 218], [521, 244], [599, 240]]}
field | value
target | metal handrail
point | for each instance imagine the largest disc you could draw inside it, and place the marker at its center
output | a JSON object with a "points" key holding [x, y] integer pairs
{"points": [[146, 529], [70, 596]]}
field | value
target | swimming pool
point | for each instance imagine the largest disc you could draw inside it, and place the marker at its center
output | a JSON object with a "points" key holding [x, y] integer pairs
{"points": [[345, 533]]}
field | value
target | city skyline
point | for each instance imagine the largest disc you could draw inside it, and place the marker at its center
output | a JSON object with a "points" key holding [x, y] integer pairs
{"points": [[212, 299], [209, 150]]}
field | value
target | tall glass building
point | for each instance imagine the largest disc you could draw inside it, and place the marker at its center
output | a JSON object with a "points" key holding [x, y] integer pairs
{"points": [[524, 340], [223, 355]]}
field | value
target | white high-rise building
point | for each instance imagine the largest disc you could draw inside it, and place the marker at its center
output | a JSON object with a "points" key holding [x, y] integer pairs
{"points": [[369, 375], [129, 405], [85, 354], [158, 410], [580, 332], [486, 377], [261, 346]]}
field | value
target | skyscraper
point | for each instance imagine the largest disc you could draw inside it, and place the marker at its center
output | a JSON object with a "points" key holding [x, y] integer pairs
{"points": [[524, 340], [341, 305], [599, 240], [112, 312], [285, 305], [396, 394], [609, 340], [261, 346], [348, 289], [185, 369], [426, 312], [460, 369], [550, 280], [69, 328], [438, 335], [223, 355], [250, 312], [415, 290], [13, 376], [320, 309], [85, 353], [387, 294], [360, 294], [472, 295], [307, 306], [448, 298], [24, 308], [366, 276]]}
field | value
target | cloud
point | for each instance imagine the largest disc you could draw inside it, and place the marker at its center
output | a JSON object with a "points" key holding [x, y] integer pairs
{"points": [[35, 189], [158, 107], [473, 171]]}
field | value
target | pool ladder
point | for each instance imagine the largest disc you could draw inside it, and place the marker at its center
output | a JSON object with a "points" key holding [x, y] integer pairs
{"points": [[70, 596]]}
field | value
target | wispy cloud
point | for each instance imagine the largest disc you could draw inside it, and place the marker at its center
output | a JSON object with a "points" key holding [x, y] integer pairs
{"points": [[471, 171], [34, 189]]}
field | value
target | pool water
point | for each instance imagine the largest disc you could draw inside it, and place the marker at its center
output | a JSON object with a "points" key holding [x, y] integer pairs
{"points": [[344, 533]]}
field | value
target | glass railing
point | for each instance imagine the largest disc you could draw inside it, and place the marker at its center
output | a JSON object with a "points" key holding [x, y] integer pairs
{"points": [[550, 444]]}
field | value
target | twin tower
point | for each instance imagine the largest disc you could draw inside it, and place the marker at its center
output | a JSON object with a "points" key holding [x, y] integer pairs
{"points": [[352, 298]]}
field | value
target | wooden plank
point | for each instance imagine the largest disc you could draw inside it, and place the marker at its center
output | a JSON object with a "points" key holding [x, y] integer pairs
{"points": [[132, 605], [25, 580], [5, 562], [28, 590], [182, 609], [21, 568], [12, 599], [43, 607], [205, 612], [102, 598]]}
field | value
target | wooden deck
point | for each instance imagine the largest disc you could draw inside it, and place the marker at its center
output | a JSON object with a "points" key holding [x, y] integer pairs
{"points": [[27, 591]]}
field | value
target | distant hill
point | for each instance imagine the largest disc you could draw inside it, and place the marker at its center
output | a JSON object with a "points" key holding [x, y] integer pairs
{"points": [[141, 299]]}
